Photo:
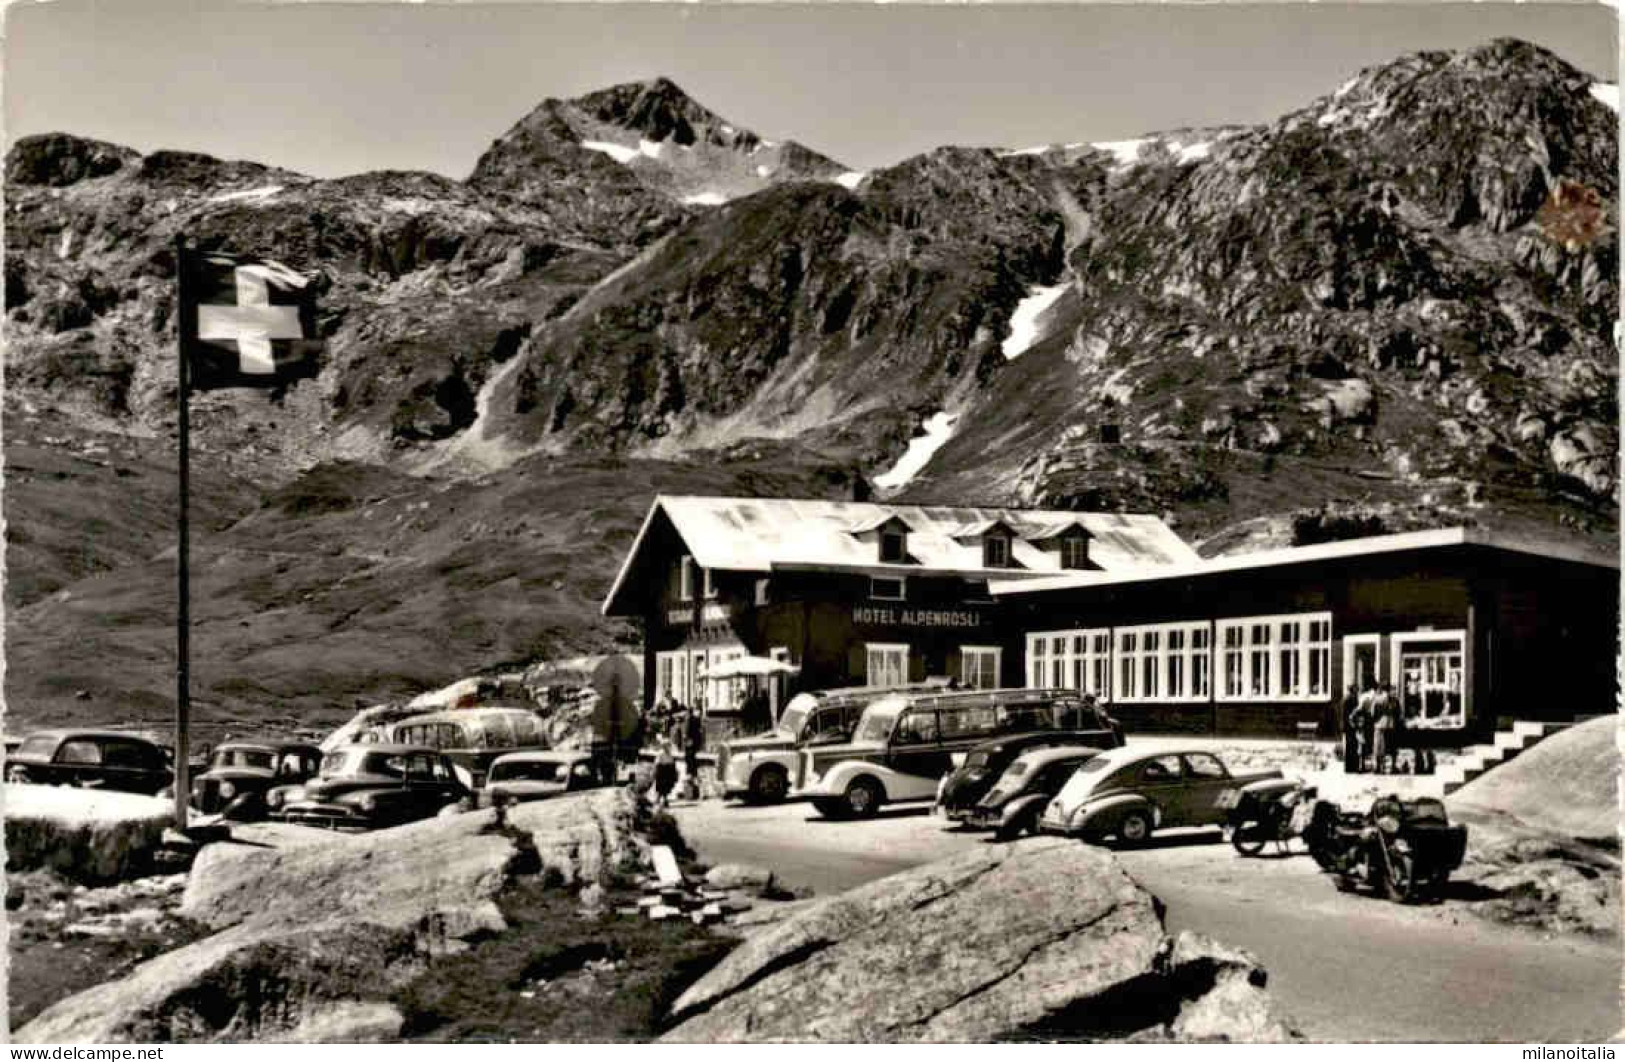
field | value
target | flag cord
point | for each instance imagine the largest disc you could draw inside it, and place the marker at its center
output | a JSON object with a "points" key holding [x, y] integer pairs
{"points": [[185, 325]]}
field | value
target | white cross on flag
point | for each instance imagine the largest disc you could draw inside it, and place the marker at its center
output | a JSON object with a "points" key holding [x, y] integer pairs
{"points": [[249, 323]]}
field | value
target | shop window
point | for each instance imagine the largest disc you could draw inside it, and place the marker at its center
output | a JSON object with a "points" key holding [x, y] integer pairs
{"points": [[1078, 660], [883, 589], [1430, 673], [1276, 658], [979, 666], [1164, 661], [885, 664]]}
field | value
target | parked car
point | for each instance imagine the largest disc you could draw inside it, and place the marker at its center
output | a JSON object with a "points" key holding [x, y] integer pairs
{"points": [[761, 768], [240, 774], [471, 737], [1011, 807], [968, 783], [94, 759], [905, 743], [1128, 794], [521, 776], [369, 786]]}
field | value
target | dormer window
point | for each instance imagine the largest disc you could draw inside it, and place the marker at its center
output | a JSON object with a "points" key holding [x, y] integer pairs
{"points": [[995, 550], [1075, 550], [893, 546]]}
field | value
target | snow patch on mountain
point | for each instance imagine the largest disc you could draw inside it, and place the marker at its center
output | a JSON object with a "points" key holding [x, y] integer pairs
{"points": [[1126, 152], [764, 171], [1024, 323], [1039, 150], [851, 178], [1194, 152], [620, 153], [705, 199], [1606, 93], [650, 148], [937, 429], [246, 193]]}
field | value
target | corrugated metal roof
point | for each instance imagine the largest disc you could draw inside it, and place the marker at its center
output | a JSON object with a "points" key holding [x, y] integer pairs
{"points": [[1354, 547], [761, 534]]}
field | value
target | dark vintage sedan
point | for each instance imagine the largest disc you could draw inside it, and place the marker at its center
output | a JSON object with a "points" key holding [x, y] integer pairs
{"points": [[1016, 800], [968, 783], [522, 776], [1128, 793], [240, 774], [92, 759], [371, 786]]}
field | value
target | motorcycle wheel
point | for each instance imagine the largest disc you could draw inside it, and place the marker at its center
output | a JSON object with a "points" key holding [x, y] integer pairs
{"points": [[1249, 837], [1399, 883], [1344, 882]]}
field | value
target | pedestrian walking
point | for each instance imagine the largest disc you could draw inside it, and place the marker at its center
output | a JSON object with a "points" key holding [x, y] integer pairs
{"points": [[665, 773], [693, 742]]}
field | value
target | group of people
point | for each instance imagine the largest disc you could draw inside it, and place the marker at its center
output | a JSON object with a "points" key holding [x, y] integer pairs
{"points": [[1376, 730], [676, 730]]}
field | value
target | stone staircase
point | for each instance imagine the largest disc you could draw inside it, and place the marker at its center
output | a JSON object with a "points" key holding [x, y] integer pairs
{"points": [[1474, 760]]}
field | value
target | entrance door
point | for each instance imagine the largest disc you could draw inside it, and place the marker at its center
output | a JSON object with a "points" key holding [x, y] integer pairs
{"points": [[1361, 660], [1429, 677]]}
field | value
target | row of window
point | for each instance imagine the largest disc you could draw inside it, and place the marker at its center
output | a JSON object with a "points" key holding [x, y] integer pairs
{"points": [[1259, 658], [886, 664]]}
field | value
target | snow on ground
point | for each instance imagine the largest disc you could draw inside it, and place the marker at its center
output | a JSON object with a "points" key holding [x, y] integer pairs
{"points": [[1024, 322], [1126, 151], [246, 193], [705, 199], [1603, 92], [617, 152], [1039, 150], [936, 431], [851, 178], [1199, 150], [650, 148]]}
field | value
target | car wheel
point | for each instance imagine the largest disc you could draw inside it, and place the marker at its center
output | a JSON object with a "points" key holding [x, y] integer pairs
{"points": [[863, 798], [18, 775], [770, 785], [1248, 837], [1135, 827]]}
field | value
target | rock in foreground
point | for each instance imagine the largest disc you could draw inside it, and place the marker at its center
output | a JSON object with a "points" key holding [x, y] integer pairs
{"points": [[1046, 939], [314, 936], [92, 836]]}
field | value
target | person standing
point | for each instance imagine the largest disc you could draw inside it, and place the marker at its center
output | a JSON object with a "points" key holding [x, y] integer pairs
{"points": [[693, 741], [1382, 743], [665, 772], [1351, 731], [1369, 699]]}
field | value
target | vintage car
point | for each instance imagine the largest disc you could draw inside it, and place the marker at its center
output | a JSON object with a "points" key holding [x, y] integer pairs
{"points": [[905, 743], [1012, 805], [1128, 793], [472, 738], [92, 759], [1085, 724], [240, 774], [373, 785], [521, 776], [760, 768]]}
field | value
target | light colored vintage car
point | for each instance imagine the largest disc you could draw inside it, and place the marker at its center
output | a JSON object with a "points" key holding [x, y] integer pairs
{"points": [[523, 776], [1128, 793]]}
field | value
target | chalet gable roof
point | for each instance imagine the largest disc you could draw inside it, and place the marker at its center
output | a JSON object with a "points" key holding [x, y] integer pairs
{"points": [[771, 534]]}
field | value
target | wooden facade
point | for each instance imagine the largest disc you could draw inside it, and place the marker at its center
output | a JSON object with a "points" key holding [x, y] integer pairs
{"points": [[1473, 632]]}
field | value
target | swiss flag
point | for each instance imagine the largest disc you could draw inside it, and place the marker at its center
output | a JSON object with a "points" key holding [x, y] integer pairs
{"points": [[246, 322]]}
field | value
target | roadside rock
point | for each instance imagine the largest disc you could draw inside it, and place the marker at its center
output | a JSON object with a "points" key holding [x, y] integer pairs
{"points": [[737, 876], [314, 935], [88, 835], [1044, 939], [438, 876]]}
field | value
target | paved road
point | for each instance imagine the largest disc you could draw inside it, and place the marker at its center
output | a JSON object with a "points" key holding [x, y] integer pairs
{"points": [[1344, 967]]}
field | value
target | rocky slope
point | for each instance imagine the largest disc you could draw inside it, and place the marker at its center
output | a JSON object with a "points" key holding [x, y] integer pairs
{"points": [[1396, 301]]}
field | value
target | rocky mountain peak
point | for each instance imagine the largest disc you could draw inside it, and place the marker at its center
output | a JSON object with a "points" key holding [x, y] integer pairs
{"points": [[658, 109], [61, 159]]}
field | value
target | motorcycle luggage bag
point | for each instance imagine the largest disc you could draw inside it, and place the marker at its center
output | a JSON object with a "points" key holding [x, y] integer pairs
{"points": [[1437, 845]]}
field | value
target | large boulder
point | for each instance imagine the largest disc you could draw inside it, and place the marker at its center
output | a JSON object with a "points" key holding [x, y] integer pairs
{"points": [[1042, 939], [315, 934], [92, 836]]}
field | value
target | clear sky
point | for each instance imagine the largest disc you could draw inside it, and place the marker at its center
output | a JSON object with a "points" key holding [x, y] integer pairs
{"points": [[336, 89]]}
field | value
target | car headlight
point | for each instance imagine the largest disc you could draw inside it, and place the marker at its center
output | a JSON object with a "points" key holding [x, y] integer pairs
{"points": [[368, 803], [1388, 823], [227, 790], [274, 798]]}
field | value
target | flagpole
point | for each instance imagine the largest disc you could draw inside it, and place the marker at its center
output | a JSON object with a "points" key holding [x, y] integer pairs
{"points": [[185, 328]]}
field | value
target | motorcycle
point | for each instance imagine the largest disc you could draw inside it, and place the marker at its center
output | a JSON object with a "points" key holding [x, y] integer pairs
{"points": [[1275, 809], [1403, 849]]}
